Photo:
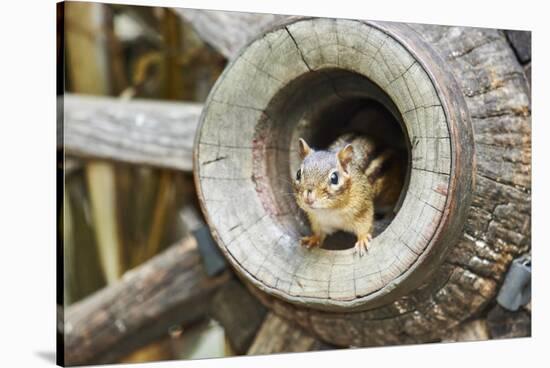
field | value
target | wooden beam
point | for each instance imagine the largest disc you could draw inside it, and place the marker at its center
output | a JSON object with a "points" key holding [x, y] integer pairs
{"points": [[226, 31], [139, 131], [278, 335], [170, 289], [240, 314]]}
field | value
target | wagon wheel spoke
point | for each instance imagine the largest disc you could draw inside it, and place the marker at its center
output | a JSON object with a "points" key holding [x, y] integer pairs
{"points": [[227, 32]]}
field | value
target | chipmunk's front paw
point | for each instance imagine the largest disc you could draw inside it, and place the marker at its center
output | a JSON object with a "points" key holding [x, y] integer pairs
{"points": [[361, 246], [310, 241]]}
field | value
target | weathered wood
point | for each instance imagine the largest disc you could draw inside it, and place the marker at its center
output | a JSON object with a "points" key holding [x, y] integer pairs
{"points": [[240, 314], [521, 43], [527, 71], [504, 324], [226, 31], [475, 330], [89, 36], [277, 335], [288, 79], [139, 131], [170, 289], [249, 130]]}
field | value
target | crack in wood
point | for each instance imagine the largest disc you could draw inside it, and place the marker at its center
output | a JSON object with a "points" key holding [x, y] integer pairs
{"points": [[378, 52], [401, 76], [523, 112], [262, 70], [467, 267], [503, 182], [298, 49], [238, 105], [430, 171], [495, 85], [205, 163], [426, 203], [458, 55], [422, 107], [222, 178]]}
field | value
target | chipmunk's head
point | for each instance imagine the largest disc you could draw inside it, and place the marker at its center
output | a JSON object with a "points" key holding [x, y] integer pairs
{"points": [[323, 180]]}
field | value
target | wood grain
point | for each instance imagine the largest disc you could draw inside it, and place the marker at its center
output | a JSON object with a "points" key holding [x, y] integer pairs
{"points": [[239, 313], [497, 227], [171, 289], [273, 93], [280, 336], [261, 232], [139, 131], [226, 31]]}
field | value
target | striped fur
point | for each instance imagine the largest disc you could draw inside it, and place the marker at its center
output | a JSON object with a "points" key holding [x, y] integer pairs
{"points": [[371, 177]]}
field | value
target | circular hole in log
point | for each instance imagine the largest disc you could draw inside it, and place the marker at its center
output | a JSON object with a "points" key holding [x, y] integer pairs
{"points": [[312, 108], [310, 78]]}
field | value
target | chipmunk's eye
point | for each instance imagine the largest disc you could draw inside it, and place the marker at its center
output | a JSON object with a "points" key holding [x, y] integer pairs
{"points": [[334, 178], [299, 174]]}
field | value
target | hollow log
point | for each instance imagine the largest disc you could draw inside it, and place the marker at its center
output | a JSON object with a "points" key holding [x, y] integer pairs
{"points": [[461, 98], [171, 289]]}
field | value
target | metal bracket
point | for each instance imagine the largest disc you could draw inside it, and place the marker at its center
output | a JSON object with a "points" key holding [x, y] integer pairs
{"points": [[212, 259], [516, 289]]}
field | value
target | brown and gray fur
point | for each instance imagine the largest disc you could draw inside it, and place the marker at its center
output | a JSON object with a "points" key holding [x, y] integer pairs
{"points": [[369, 178]]}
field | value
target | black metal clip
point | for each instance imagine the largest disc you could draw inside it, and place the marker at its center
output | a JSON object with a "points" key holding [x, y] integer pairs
{"points": [[516, 289], [212, 259]]}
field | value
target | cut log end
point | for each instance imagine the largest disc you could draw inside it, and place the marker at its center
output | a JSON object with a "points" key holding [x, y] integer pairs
{"points": [[309, 78]]}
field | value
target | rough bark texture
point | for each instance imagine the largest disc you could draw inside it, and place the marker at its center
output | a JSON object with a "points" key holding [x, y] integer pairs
{"points": [[138, 131], [475, 330], [170, 289], [278, 335], [497, 228]]}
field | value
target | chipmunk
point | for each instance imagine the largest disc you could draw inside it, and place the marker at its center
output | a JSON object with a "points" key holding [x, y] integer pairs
{"points": [[340, 188]]}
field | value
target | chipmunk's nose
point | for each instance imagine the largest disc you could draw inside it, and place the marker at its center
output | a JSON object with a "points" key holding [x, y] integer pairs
{"points": [[309, 197]]}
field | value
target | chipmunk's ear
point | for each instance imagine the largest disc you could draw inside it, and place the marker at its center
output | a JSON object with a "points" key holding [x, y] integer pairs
{"points": [[344, 157], [304, 148]]}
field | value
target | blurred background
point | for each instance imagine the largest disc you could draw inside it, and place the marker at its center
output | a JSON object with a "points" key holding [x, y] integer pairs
{"points": [[116, 215]]}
